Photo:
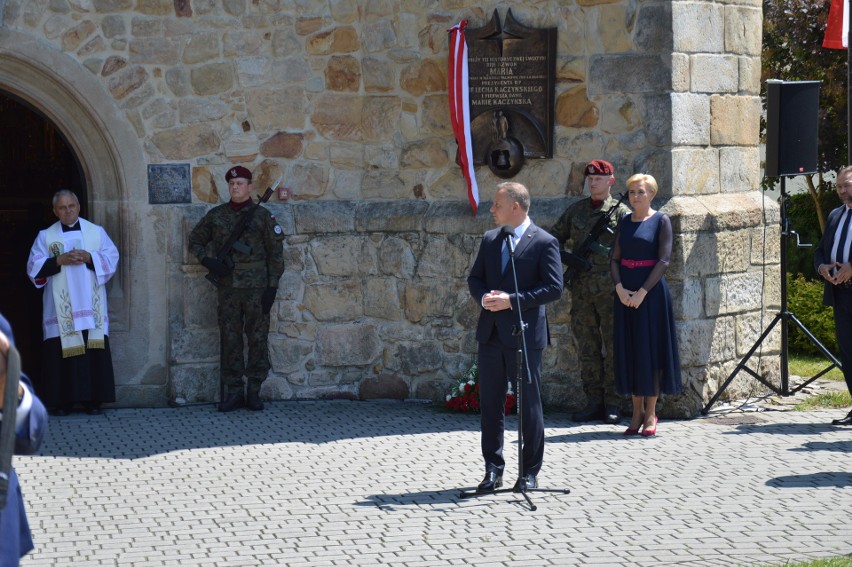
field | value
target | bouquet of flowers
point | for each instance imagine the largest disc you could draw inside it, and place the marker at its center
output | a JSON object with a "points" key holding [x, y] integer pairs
{"points": [[464, 396]]}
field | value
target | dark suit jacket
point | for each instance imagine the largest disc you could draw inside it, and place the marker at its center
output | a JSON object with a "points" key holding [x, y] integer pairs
{"points": [[15, 538], [539, 282], [822, 255]]}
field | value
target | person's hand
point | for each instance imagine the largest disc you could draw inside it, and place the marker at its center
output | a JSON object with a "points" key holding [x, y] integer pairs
{"points": [[268, 298], [624, 295], [637, 298], [215, 266], [496, 300], [843, 273], [73, 258]]}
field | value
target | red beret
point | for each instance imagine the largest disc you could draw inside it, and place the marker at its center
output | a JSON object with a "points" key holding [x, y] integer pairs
{"points": [[599, 167], [238, 171]]}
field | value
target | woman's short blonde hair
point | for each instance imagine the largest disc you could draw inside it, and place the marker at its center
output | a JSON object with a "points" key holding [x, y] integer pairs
{"points": [[649, 181]]}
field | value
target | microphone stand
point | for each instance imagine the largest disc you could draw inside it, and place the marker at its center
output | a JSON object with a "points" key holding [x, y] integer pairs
{"points": [[522, 362]]}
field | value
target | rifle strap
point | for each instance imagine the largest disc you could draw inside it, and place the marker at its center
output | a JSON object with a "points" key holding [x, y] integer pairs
{"points": [[7, 425]]}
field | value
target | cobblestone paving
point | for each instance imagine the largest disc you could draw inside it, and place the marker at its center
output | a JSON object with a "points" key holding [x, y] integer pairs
{"points": [[377, 483]]}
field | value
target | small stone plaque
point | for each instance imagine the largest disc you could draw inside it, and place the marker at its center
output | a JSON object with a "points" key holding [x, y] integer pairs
{"points": [[511, 77], [169, 184]]}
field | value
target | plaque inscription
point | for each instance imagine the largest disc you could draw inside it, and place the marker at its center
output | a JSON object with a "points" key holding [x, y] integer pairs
{"points": [[511, 78]]}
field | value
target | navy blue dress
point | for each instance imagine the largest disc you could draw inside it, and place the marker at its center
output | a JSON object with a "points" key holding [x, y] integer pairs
{"points": [[647, 362]]}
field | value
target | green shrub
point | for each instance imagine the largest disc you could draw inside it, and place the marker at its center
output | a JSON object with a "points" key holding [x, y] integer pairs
{"points": [[804, 300], [801, 213]]}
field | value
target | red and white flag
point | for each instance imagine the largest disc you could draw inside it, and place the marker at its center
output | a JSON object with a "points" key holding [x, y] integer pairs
{"points": [[460, 108], [837, 29]]}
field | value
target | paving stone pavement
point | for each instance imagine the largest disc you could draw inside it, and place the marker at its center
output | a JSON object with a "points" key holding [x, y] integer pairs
{"points": [[377, 483]]}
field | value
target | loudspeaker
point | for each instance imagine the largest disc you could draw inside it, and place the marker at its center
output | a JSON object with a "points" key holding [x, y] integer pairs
{"points": [[792, 127]]}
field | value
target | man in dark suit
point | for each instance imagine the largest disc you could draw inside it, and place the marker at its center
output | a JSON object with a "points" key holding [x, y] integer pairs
{"points": [[30, 428], [832, 262], [491, 284]]}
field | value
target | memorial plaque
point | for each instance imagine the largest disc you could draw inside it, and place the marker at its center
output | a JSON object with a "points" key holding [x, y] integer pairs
{"points": [[169, 183], [511, 78]]}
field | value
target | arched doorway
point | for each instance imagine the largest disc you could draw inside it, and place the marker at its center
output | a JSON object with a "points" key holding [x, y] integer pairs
{"points": [[36, 161]]}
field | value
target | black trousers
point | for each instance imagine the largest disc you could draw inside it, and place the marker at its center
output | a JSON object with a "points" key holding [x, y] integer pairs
{"points": [[497, 367], [843, 330]]}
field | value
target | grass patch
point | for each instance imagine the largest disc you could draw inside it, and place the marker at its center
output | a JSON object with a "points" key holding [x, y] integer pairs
{"points": [[832, 400], [807, 365], [832, 562]]}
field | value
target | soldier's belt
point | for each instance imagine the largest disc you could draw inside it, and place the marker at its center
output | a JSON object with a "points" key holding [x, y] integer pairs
{"points": [[249, 265]]}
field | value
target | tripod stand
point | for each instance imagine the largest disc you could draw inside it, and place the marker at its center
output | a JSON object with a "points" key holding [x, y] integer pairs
{"points": [[522, 367], [783, 316]]}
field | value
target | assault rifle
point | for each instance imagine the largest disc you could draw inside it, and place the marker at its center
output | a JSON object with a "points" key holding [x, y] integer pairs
{"points": [[223, 256], [578, 260]]}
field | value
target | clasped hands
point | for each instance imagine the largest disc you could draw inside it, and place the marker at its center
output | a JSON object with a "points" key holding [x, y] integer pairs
{"points": [[496, 300], [74, 258], [843, 273], [630, 298]]}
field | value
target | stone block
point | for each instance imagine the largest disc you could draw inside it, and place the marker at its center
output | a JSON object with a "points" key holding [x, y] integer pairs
{"points": [[339, 300], [687, 298], [378, 36], [253, 71], [348, 345], [195, 345], [346, 155], [766, 245], [743, 30], [380, 118], [324, 217], [695, 254], [343, 255], [186, 142], [343, 73], [698, 27], [381, 299], [383, 387], [612, 31], [424, 300], [690, 124], [199, 301], [193, 383], [308, 180], [749, 72], [706, 341], [658, 119], [201, 48], [286, 355], [728, 294], [396, 258], [575, 110], [715, 73], [739, 167], [346, 184], [735, 210], [750, 327], [155, 51], [695, 171], [653, 29], [734, 120], [426, 76], [380, 76], [640, 73], [343, 39], [419, 357], [399, 216], [276, 109], [445, 257]]}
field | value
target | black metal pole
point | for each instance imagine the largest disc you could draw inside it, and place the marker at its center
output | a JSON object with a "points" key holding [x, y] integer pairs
{"points": [[785, 233]]}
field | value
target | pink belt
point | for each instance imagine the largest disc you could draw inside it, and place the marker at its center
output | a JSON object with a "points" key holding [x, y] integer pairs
{"points": [[637, 263]]}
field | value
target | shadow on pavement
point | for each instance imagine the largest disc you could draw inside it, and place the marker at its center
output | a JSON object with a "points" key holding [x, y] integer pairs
{"points": [[815, 480], [134, 433]]}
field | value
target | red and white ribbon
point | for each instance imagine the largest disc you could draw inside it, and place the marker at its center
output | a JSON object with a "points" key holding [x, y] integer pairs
{"points": [[837, 29], [460, 108]]}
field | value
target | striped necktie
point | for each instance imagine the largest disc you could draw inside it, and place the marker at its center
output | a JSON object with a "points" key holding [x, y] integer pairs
{"points": [[840, 254]]}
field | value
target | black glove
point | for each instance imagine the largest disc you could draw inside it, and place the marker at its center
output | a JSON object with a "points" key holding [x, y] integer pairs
{"points": [[268, 298], [215, 266]]}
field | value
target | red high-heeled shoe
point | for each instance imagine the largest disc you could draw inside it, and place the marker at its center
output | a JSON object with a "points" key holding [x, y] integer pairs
{"points": [[650, 431], [631, 431]]}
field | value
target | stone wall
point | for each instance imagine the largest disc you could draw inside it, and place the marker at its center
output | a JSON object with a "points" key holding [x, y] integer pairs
{"points": [[347, 99]]}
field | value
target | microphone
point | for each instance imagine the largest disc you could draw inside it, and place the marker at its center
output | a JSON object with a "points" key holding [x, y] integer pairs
{"points": [[509, 234]]}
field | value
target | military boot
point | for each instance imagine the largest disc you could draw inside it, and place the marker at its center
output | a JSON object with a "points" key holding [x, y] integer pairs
{"points": [[231, 402], [253, 402]]}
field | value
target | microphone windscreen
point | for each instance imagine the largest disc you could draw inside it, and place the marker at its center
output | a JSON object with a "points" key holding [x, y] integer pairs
{"points": [[507, 230]]}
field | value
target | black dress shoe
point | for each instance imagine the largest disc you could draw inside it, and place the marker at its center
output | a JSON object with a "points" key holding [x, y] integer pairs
{"points": [[253, 402], [232, 402], [843, 420], [611, 415], [490, 483], [589, 413], [525, 483]]}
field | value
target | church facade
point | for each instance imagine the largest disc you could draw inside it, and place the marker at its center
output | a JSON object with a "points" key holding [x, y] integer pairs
{"points": [[347, 99]]}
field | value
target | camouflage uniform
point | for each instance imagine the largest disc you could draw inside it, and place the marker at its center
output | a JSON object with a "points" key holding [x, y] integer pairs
{"points": [[257, 266], [592, 298]]}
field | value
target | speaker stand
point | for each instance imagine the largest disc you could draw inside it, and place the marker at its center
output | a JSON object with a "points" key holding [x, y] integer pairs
{"points": [[783, 316]]}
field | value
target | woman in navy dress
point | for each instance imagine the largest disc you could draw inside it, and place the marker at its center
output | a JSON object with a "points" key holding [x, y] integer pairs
{"points": [[645, 342]]}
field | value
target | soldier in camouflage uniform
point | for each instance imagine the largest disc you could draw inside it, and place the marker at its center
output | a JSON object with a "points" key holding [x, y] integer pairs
{"points": [[591, 293], [246, 290]]}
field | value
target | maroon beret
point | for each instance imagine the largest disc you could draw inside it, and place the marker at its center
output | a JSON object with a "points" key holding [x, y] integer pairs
{"points": [[599, 167], [238, 171]]}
